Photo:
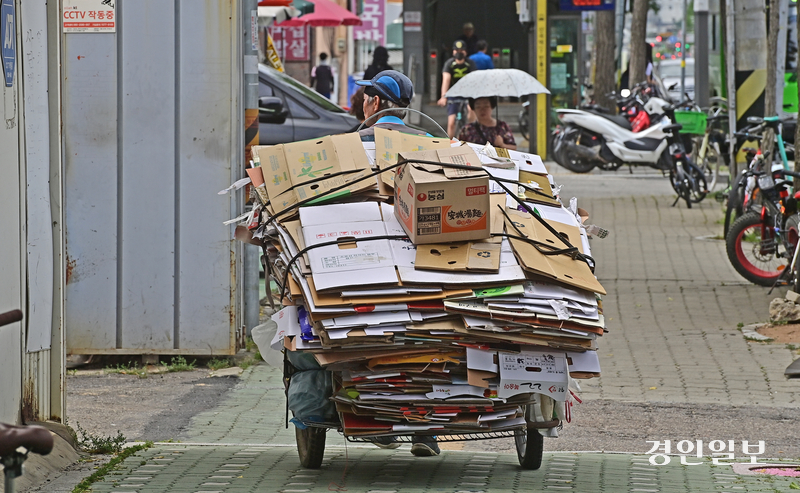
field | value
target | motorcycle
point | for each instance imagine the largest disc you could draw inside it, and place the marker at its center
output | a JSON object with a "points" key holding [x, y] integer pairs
{"points": [[588, 139]]}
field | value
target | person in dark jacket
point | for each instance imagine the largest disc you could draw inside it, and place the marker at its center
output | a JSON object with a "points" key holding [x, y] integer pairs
{"points": [[322, 76], [380, 62]]}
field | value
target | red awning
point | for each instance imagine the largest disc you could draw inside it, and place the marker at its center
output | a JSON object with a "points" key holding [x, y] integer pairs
{"points": [[274, 3], [326, 14]]}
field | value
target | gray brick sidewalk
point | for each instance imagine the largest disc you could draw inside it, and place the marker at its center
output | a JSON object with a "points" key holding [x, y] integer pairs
{"points": [[262, 458], [672, 308]]}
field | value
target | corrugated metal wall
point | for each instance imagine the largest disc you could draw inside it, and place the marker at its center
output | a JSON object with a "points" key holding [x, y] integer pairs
{"points": [[151, 133]]}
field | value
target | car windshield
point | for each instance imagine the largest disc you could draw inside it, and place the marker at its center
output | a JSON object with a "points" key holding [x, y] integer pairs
{"points": [[305, 91], [674, 70]]}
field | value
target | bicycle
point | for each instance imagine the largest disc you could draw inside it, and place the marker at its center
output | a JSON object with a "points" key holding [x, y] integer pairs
{"points": [[34, 439], [762, 239], [685, 177], [461, 115]]}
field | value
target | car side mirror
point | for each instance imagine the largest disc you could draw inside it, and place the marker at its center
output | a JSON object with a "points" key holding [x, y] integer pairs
{"points": [[271, 110]]}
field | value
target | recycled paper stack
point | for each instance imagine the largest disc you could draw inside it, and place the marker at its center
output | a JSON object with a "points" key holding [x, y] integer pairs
{"points": [[436, 302]]}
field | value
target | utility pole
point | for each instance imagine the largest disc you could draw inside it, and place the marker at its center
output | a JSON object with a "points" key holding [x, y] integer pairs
{"points": [[701, 90], [533, 13], [251, 297], [683, 53], [730, 65]]}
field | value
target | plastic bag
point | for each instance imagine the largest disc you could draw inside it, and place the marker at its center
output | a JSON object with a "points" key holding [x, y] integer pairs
{"points": [[308, 396]]}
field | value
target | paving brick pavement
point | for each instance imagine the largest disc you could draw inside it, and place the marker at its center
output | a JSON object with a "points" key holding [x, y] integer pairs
{"points": [[672, 309], [673, 306], [238, 459]]}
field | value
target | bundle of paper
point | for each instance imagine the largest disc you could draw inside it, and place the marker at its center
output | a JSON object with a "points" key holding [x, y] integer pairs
{"points": [[443, 307]]}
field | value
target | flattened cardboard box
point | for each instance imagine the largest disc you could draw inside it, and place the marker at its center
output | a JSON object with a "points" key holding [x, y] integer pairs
{"points": [[558, 267], [434, 209], [389, 143]]}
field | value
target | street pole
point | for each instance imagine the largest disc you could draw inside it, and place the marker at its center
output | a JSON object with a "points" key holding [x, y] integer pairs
{"points": [[701, 89], [250, 90], [683, 53], [730, 63]]}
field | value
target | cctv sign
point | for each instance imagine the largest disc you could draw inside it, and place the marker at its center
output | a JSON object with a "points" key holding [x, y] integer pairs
{"points": [[89, 16]]}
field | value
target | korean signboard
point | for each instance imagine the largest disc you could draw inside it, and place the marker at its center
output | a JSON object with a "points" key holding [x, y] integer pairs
{"points": [[291, 43], [89, 16], [8, 38], [373, 18], [567, 5]]}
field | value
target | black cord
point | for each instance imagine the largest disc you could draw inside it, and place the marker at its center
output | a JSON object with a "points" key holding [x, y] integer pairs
{"points": [[340, 241], [499, 182]]}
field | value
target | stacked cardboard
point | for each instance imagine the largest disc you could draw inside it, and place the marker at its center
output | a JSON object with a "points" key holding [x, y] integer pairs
{"points": [[440, 306]]}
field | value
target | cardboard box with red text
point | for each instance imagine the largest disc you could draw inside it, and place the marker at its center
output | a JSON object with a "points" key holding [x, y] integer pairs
{"points": [[435, 209]]}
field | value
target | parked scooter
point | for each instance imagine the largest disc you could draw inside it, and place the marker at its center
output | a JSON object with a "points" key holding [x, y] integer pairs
{"points": [[586, 139]]}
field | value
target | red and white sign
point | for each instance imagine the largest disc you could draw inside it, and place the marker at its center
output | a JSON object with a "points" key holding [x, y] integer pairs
{"points": [[291, 43], [89, 16], [373, 27]]}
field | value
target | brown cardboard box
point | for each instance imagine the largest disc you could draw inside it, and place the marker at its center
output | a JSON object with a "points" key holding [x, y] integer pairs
{"points": [[287, 168], [463, 256], [561, 268], [388, 143], [435, 209]]}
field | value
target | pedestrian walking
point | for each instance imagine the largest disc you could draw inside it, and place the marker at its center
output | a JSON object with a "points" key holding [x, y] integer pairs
{"points": [[480, 58], [380, 62], [322, 76], [469, 37]]}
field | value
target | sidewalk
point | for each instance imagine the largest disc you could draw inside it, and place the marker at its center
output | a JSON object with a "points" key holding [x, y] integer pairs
{"points": [[247, 449], [672, 309]]}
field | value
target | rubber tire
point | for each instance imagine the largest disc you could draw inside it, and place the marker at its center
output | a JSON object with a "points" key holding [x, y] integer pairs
{"points": [[310, 446], [731, 244], [523, 123], [530, 448], [734, 208], [562, 156], [701, 185]]}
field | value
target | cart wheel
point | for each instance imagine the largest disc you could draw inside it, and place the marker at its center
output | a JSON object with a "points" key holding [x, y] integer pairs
{"points": [[530, 445], [310, 446]]}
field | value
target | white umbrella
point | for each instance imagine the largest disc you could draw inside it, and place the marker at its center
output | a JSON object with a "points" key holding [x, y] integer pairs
{"points": [[269, 15], [501, 82]]}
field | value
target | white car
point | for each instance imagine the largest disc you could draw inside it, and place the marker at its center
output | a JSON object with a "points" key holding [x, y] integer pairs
{"points": [[669, 71]]}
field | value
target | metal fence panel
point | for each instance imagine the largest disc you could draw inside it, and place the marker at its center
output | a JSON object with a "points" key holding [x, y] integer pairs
{"points": [[149, 140]]}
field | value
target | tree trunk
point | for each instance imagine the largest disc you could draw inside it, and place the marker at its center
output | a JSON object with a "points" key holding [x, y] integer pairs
{"points": [[604, 69], [638, 34], [770, 97]]}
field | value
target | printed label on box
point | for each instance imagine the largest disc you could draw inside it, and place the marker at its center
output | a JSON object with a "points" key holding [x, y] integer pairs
{"points": [[350, 260]]}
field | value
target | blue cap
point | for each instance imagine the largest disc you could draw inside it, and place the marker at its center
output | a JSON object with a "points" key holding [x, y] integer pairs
{"points": [[392, 86]]}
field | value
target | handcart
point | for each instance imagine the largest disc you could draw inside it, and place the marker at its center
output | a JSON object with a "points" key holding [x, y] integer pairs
{"points": [[423, 331]]}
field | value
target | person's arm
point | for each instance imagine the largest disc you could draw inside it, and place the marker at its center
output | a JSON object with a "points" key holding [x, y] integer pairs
{"points": [[445, 86], [313, 76], [491, 63], [505, 138]]}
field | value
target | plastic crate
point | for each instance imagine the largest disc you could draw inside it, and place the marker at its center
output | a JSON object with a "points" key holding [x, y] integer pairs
{"points": [[694, 122]]}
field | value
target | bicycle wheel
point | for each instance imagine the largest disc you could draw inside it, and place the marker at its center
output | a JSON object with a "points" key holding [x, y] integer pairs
{"points": [[698, 187], [754, 250], [709, 165], [682, 186]]}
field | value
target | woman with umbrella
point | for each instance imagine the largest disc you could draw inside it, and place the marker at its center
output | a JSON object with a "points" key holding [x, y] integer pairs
{"points": [[482, 88], [486, 128]]}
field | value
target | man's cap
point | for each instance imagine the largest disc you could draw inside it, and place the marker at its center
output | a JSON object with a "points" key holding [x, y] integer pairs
{"points": [[468, 25], [459, 45], [392, 86]]}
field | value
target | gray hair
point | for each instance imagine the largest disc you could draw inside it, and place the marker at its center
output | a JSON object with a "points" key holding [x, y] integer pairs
{"points": [[385, 105]]}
